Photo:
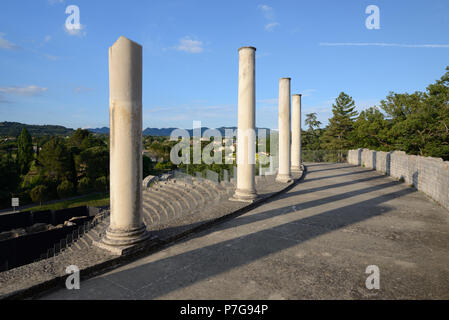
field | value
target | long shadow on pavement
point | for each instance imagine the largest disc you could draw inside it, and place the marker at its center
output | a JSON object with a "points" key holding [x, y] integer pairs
{"points": [[154, 279]]}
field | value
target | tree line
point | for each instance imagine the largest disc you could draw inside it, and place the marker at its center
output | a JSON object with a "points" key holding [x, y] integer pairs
{"points": [[42, 168], [53, 167], [416, 123]]}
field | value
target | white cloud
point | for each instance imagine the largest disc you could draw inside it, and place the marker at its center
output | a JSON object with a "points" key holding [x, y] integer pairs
{"points": [[269, 15], [5, 44], [82, 89], [23, 91], [189, 45], [55, 1], [382, 44], [308, 92], [47, 38], [271, 26], [165, 113], [267, 11], [269, 101], [80, 32], [51, 57]]}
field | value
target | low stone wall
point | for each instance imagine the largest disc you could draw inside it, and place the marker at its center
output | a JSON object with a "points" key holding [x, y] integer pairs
{"points": [[429, 175]]}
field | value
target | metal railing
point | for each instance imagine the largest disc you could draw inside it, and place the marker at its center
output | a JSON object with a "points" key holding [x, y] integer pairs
{"points": [[73, 237]]}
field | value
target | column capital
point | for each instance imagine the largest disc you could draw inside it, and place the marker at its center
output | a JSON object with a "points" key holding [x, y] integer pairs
{"points": [[248, 47]]}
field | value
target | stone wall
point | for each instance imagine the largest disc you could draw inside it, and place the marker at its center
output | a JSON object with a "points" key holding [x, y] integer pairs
{"points": [[429, 175]]}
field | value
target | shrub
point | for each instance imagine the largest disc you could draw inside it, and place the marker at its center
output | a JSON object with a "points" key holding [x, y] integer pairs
{"points": [[101, 184], [84, 185], [65, 189], [39, 193], [164, 166]]}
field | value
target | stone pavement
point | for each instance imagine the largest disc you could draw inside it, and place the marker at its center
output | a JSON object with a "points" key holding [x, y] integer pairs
{"points": [[313, 242]]}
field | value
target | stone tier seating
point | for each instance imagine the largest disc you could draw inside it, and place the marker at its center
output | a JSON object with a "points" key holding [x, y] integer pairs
{"points": [[176, 203], [167, 200]]}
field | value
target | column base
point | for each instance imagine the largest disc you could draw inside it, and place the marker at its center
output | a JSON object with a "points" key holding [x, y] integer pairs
{"points": [[296, 169], [284, 178], [244, 196], [121, 242]]}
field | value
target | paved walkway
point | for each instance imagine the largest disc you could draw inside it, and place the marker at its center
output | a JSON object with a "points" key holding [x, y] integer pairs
{"points": [[314, 242]]}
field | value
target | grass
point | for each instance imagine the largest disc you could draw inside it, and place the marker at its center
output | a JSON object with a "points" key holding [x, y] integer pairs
{"points": [[94, 200]]}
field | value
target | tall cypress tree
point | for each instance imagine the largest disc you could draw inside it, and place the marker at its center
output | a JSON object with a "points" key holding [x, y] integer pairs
{"points": [[339, 130], [25, 151]]}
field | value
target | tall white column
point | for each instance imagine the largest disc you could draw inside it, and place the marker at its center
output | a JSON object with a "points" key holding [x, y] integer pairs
{"points": [[246, 134], [296, 133], [125, 116], [284, 131]]}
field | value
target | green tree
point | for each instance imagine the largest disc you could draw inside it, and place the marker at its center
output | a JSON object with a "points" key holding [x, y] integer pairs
{"points": [[311, 137], [371, 130], [420, 120], [84, 186], [94, 162], [338, 133], [101, 184], [24, 151], [39, 194], [9, 179], [146, 166], [56, 161], [66, 189], [312, 121]]}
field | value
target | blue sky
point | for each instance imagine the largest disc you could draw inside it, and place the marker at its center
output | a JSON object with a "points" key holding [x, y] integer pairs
{"points": [[51, 76]]}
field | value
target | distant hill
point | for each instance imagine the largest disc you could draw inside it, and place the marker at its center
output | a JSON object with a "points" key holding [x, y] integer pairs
{"points": [[13, 129], [104, 130], [165, 132]]}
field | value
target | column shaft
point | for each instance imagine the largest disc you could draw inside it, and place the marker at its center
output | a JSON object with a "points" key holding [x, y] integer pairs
{"points": [[296, 133], [125, 116], [246, 134], [284, 131]]}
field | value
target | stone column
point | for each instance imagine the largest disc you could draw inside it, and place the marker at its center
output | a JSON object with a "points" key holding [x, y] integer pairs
{"points": [[246, 135], [296, 133], [125, 116], [284, 175]]}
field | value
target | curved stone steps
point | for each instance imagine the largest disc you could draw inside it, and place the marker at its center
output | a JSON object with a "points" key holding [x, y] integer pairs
{"points": [[219, 192], [228, 186], [187, 193], [149, 217], [210, 194], [171, 207], [192, 190], [151, 210], [183, 193], [167, 196], [200, 191], [218, 187], [167, 211], [175, 194], [90, 237], [167, 199]]}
